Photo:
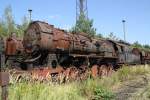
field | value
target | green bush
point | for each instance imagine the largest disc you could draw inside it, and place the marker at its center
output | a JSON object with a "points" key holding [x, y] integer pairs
{"points": [[102, 94]]}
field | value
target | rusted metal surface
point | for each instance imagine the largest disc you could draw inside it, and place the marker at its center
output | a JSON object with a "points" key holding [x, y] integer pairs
{"points": [[13, 46], [103, 70], [4, 94], [84, 72], [40, 73], [50, 38], [46, 73], [94, 71], [46, 36], [136, 51], [4, 78], [110, 70], [145, 57], [71, 73]]}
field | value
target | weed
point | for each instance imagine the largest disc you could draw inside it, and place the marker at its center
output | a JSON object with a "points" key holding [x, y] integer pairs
{"points": [[96, 89]]}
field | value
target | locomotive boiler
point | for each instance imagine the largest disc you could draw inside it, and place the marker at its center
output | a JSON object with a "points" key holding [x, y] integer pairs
{"points": [[58, 47]]}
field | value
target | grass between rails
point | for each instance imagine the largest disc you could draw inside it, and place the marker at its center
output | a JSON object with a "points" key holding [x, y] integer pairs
{"points": [[90, 89], [147, 92]]}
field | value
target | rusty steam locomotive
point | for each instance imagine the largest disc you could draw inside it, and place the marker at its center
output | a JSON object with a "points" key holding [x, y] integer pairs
{"points": [[43, 45]]}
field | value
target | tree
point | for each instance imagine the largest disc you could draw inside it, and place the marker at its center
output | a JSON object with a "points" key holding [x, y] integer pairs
{"points": [[99, 35], [21, 28], [8, 19], [112, 36], [3, 28], [137, 44], [85, 25], [8, 25], [146, 46], [25, 22]]}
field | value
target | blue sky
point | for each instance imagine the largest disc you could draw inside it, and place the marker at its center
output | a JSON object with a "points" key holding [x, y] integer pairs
{"points": [[107, 15]]}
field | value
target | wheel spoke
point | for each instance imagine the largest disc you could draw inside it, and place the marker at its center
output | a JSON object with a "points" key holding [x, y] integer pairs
{"points": [[94, 71]]}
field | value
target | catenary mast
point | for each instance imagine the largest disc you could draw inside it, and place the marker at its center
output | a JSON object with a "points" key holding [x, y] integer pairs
{"points": [[81, 8]]}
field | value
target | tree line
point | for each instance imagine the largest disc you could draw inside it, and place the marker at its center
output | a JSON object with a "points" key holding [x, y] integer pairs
{"points": [[8, 24]]}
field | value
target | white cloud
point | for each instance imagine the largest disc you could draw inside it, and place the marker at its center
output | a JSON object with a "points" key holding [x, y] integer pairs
{"points": [[66, 27], [54, 16]]}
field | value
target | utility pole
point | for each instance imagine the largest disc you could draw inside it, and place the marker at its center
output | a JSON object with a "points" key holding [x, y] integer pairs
{"points": [[81, 8], [124, 29], [30, 14]]}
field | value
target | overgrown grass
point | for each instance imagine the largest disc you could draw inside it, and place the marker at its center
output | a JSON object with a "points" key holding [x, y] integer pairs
{"points": [[148, 92], [87, 90], [124, 74], [39, 91], [130, 72], [90, 89], [94, 90]]}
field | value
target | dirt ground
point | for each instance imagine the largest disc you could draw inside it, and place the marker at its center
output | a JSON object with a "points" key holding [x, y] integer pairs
{"points": [[136, 89]]}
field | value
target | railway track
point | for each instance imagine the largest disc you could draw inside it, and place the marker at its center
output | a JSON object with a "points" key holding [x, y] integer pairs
{"points": [[133, 89]]}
